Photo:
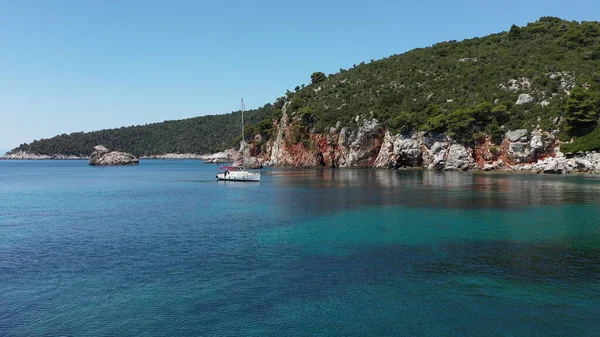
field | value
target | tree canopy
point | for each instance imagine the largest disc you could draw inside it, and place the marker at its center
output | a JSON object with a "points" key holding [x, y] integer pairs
{"points": [[317, 77], [200, 135], [580, 113]]}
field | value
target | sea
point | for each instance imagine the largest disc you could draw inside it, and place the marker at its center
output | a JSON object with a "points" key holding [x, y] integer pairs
{"points": [[163, 249]]}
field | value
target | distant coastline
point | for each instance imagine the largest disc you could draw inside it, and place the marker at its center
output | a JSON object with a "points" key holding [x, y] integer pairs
{"points": [[220, 157]]}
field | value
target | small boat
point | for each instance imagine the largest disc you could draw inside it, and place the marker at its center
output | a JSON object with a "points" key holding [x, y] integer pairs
{"points": [[237, 173]]}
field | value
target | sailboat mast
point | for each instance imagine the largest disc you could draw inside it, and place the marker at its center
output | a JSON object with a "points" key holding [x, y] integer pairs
{"points": [[242, 119]]}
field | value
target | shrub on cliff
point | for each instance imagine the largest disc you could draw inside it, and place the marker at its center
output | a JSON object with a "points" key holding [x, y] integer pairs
{"points": [[589, 142]]}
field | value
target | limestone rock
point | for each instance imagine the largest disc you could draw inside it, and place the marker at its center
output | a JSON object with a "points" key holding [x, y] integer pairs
{"points": [[524, 99], [519, 152], [554, 166], [409, 150], [101, 149], [22, 155], [226, 156], [459, 158], [365, 146], [493, 166], [434, 157], [278, 148], [252, 162], [578, 165], [522, 83], [386, 157], [536, 142], [104, 157], [517, 135]]}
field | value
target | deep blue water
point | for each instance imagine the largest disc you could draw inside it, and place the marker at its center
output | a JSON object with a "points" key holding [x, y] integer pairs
{"points": [[164, 250]]}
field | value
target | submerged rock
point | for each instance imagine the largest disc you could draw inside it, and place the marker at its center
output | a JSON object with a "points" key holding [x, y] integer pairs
{"points": [[104, 157]]}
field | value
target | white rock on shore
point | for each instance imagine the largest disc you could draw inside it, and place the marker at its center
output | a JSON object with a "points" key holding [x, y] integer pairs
{"points": [[104, 157], [226, 156], [586, 163], [22, 155]]}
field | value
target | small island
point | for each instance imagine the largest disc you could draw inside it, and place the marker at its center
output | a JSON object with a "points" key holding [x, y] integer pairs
{"points": [[104, 157]]}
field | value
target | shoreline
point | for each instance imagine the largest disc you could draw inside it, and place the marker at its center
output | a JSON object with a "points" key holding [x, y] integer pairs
{"points": [[223, 157], [399, 169], [79, 158]]}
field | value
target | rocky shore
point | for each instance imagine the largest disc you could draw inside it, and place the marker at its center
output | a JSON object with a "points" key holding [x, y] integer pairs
{"points": [[21, 155], [372, 146], [227, 156]]}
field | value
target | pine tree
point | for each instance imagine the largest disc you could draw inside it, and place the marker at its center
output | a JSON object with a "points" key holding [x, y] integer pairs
{"points": [[580, 112], [317, 77]]}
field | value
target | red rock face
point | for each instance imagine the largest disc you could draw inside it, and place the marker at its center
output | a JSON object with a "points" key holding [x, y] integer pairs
{"points": [[362, 148], [290, 146], [255, 150], [486, 152]]}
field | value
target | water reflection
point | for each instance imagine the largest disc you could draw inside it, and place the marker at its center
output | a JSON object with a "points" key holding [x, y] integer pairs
{"points": [[333, 189]]}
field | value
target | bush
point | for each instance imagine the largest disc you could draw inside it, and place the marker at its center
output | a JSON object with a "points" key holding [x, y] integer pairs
{"points": [[317, 77], [589, 142]]}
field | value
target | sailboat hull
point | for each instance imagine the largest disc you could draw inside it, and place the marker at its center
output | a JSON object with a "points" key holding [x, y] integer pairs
{"points": [[238, 176]]}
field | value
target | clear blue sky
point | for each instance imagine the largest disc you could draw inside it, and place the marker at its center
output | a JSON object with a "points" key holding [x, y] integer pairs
{"points": [[81, 65]]}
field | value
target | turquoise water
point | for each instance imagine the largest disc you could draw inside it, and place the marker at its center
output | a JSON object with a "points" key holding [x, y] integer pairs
{"points": [[164, 250]]}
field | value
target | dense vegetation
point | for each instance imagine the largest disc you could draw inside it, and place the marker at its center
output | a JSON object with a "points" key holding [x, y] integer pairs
{"points": [[465, 89], [194, 135], [468, 89]]}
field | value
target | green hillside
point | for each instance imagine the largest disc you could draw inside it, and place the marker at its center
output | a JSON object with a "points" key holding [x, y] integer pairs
{"points": [[465, 89], [203, 134]]}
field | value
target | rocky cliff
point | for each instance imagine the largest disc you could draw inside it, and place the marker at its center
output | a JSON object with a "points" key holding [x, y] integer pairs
{"points": [[338, 148], [372, 146]]}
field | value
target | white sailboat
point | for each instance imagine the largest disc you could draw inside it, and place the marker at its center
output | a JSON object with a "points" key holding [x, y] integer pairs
{"points": [[237, 173]]}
